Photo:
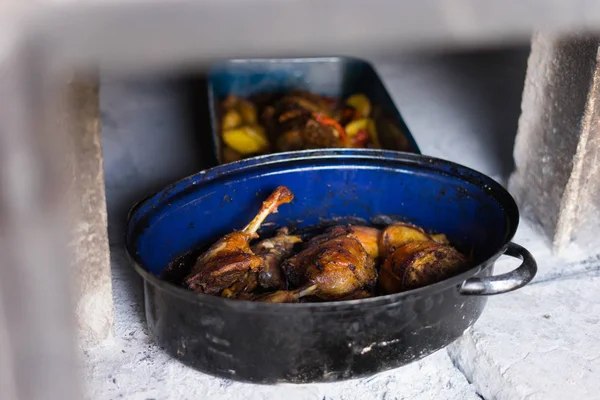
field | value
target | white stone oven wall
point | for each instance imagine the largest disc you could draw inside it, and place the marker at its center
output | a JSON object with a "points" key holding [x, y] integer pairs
{"points": [[463, 108]]}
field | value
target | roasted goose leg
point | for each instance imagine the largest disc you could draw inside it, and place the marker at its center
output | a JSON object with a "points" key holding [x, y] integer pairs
{"points": [[418, 264], [247, 283], [333, 265], [230, 259], [272, 252]]}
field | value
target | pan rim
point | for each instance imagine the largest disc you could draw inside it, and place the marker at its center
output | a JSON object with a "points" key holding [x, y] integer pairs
{"points": [[221, 172]]}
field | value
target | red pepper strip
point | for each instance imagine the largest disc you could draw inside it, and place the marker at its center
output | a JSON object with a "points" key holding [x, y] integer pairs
{"points": [[361, 139], [325, 120]]}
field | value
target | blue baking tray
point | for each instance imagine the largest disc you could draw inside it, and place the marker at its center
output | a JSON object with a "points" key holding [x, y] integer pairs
{"points": [[330, 76]]}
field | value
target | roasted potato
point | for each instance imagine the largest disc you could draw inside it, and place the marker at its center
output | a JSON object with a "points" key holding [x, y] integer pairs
{"points": [[368, 237], [361, 132], [248, 112], [246, 139], [361, 104], [399, 234]]}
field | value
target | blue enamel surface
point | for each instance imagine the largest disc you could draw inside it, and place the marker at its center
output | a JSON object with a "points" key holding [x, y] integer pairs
{"points": [[331, 76], [472, 209]]}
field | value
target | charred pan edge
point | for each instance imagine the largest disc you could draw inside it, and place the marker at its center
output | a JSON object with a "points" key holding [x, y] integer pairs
{"points": [[140, 216]]}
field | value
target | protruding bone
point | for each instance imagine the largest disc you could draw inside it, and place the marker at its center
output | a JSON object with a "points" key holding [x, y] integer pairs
{"points": [[281, 195]]}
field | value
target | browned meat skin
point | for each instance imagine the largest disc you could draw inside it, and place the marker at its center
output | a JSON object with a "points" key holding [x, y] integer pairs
{"points": [[291, 123], [272, 252], [335, 262], [230, 258], [418, 264], [317, 136], [398, 234], [300, 101], [285, 115], [312, 101], [246, 284], [368, 237]]}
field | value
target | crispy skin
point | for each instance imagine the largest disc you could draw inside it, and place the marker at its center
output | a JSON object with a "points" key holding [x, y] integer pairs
{"points": [[245, 285], [335, 262], [399, 234], [230, 259], [225, 263], [368, 237], [418, 264], [272, 252]]}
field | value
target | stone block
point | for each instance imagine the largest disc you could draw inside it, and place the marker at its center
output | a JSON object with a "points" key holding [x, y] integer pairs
{"points": [[37, 357], [92, 284], [538, 343], [557, 176]]}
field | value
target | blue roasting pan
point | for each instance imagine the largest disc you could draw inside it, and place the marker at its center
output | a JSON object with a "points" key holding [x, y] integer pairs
{"points": [[331, 76], [331, 341]]}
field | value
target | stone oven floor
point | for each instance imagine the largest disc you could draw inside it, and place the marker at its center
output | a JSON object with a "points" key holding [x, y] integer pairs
{"points": [[540, 342]]}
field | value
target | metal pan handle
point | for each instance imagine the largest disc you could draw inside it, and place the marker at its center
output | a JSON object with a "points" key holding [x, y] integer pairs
{"points": [[506, 282]]}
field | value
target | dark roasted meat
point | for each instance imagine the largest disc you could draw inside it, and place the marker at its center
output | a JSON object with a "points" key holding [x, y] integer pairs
{"points": [[230, 259], [419, 263], [335, 264], [272, 252], [302, 120]]}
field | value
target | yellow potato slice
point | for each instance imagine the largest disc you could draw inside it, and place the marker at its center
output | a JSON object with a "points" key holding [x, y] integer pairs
{"points": [[248, 111], [354, 127], [360, 103], [398, 235], [366, 124], [246, 140]]}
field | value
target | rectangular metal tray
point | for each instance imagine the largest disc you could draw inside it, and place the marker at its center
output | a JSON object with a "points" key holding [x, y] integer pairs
{"points": [[330, 76]]}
